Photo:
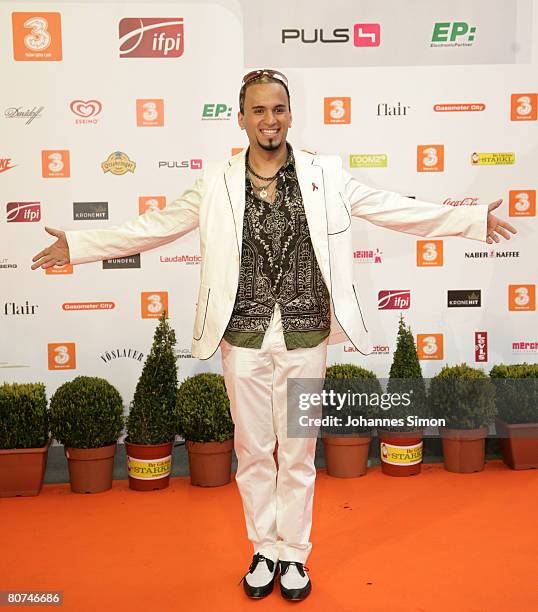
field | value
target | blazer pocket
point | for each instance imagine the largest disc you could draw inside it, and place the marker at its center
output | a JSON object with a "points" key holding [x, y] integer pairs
{"points": [[338, 217], [201, 312]]}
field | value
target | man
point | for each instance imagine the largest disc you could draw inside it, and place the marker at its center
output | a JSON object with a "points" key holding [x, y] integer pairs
{"points": [[276, 287]]}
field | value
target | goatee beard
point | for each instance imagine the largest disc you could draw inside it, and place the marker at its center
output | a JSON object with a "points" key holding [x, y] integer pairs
{"points": [[272, 146]]}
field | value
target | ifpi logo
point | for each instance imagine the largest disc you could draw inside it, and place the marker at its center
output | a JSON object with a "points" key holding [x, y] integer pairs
{"points": [[37, 36], [395, 299], [430, 158], [151, 37], [521, 297], [146, 203], [522, 203], [524, 107], [481, 346], [86, 108], [55, 164], [23, 212], [367, 34], [337, 110], [154, 303], [62, 356], [429, 253], [430, 346], [150, 113]]}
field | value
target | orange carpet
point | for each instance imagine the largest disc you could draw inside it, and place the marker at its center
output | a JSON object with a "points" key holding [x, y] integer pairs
{"points": [[433, 542]]}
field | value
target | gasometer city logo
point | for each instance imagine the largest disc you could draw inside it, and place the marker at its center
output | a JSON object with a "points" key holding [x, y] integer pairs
{"points": [[368, 160], [118, 163], [453, 34], [492, 159]]}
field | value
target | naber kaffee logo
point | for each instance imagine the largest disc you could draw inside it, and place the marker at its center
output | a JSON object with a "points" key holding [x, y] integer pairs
{"points": [[491, 254], [464, 297], [151, 37], [21, 112], [118, 163], [492, 159], [83, 211]]}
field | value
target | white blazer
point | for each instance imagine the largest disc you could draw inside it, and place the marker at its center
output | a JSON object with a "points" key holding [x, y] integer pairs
{"points": [[216, 203]]}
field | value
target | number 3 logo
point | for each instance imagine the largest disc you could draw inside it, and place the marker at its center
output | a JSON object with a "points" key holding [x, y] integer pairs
{"points": [[429, 252], [430, 157], [39, 38], [337, 109], [56, 162]]}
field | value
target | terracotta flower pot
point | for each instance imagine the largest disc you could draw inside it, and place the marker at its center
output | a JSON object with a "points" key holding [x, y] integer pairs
{"points": [[22, 471], [149, 465], [346, 456], [464, 450], [400, 452], [210, 463], [90, 469], [519, 444]]}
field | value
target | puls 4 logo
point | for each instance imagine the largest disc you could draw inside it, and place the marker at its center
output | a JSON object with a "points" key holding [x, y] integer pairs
{"points": [[364, 35]]}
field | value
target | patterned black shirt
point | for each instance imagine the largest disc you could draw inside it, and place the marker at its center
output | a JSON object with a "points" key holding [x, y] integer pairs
{"points": [[278, 266]]}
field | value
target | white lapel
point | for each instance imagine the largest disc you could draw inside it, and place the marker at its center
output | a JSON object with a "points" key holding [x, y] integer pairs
{"points": [[312, 184], [234, 179]]}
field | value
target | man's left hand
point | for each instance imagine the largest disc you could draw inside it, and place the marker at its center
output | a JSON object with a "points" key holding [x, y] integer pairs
{"points": [[497, 227]]}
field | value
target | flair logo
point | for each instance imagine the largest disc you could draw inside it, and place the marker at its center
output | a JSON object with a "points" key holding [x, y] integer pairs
{"points": [[430, 346], [394, 299], [367, 34], [453, 34], [481, 346], [337, 110], [154, 303], [151, 37], [37, 37], [524, 107], [217, 112], [522, 203], [150, 113], [23, 212], [429, 253], [430, 158]]}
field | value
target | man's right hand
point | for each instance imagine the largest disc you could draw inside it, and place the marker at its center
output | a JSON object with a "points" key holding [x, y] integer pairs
{"points": [[55, 255]]}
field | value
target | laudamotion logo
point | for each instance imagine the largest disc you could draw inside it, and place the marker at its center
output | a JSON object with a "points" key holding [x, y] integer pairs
{"points": [[524, 107], [429, 253], [492, 159], [37, 37], [337, 110], [368, 160], [118, 163], [522, 203], [430, 158], [151, 37]]}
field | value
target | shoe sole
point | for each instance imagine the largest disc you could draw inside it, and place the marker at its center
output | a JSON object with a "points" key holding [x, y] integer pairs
{"points": [[259, 592]]}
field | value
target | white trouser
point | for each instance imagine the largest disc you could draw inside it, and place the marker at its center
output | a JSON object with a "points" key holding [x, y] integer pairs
{"points": [[278, 511]]}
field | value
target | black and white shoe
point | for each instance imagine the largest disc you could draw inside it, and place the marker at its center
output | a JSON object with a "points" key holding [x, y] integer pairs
{"points": [[295, 585], [258, 582]]}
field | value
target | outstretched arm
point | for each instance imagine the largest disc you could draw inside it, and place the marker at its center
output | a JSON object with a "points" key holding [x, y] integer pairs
{"points": [[150, 230]]}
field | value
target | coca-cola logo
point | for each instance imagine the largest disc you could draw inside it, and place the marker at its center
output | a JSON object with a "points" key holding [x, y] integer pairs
{"points": [[463, 202], [86, 108]]}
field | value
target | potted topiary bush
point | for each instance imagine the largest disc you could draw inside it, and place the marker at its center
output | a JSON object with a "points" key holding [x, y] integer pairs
{"points": [[516, 389], [24, 438], [86, 417], [204, 420], [151, 425], [465, 398], [401, 441], [346, 446]]}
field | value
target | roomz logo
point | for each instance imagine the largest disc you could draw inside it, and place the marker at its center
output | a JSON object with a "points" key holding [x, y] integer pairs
{"points": [[363, 35]]}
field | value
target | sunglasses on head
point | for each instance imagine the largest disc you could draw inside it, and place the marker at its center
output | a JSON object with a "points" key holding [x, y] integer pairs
{"points": [[274, 74]]}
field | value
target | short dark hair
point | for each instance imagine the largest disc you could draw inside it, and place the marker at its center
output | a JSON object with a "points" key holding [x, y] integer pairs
{"points": [[263, 78]]}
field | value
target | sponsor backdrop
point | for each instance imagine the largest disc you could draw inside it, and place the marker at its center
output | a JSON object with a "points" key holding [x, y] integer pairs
{"points": [[434, 102]]}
